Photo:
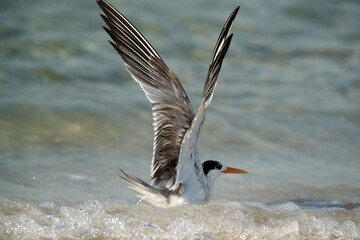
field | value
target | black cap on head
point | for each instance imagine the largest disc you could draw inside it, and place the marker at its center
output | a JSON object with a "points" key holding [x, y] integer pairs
{"points": [[209, 165]]}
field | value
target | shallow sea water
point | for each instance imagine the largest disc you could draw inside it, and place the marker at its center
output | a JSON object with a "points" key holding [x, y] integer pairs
{"points": [[286, 109]]}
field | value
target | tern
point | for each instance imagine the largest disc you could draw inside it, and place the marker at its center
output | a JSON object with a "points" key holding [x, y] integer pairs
{"points": [[177, 174]]}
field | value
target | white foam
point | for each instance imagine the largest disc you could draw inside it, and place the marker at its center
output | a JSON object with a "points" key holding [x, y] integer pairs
{"points": [[216, 220]]}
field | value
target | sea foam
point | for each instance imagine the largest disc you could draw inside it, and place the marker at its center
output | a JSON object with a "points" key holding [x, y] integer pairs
{"points": [[220, 219]]}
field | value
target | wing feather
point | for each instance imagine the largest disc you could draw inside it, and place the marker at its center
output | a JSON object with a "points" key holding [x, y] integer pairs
{"points": [[171, 108], [189, 169]]}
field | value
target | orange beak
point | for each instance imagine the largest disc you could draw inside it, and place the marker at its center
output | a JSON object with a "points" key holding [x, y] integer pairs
{"points": [[233, 170]]}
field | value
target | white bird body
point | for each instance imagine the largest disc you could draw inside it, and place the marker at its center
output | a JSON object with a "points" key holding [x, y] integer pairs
{"points": [[178, 176]]}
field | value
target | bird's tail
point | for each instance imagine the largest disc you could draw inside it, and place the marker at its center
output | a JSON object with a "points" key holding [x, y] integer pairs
{"points": [[148, 193]]}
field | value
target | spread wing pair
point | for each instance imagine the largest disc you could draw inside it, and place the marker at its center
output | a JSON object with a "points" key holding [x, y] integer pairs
{"points": [[176, 126]]}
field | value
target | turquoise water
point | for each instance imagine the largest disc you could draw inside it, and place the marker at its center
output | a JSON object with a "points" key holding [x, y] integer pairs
{"points": [[286, 109]]}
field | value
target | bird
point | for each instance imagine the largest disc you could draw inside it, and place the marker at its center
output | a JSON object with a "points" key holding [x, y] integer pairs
{"points": [[177, 175]]}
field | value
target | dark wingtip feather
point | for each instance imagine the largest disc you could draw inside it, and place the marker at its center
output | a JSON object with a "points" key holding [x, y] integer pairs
{"points": [[101, 2], [103, 17], [236, 10], [218, 56]]}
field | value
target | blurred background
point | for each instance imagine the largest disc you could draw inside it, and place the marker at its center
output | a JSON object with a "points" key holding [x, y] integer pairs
{"points": [[286, 109]]}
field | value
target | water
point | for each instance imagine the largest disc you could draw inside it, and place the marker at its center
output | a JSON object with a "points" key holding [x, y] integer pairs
{"points": [[216, 220], [286, 109]]}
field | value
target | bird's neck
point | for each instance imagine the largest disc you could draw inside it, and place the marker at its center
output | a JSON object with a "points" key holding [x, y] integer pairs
{"points": [[210, 183]]}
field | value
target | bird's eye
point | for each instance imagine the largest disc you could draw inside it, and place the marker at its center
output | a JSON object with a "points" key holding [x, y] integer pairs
{"points": [[218, 167]]}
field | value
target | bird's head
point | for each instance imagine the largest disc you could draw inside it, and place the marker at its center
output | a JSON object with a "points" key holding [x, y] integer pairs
{"points": [[213, 169]]}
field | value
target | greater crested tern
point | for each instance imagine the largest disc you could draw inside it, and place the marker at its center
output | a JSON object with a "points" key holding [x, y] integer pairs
{"points": [[178, 177]]}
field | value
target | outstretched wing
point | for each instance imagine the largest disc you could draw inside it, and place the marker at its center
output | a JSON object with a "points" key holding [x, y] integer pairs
{"points": [[187, 175], [171, 108]]}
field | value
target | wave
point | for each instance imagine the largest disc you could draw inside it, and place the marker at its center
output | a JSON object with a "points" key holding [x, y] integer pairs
{"points": [[219, 219]]}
